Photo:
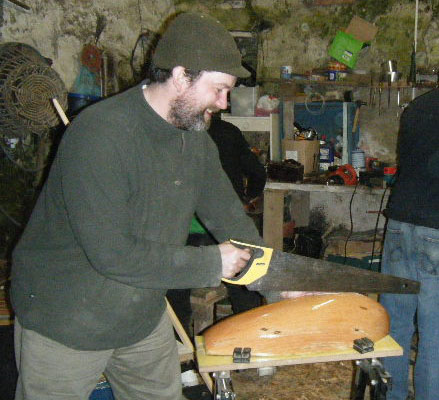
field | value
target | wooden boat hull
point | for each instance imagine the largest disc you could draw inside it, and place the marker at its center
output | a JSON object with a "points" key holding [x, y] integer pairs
{"points": [[304, 325]]}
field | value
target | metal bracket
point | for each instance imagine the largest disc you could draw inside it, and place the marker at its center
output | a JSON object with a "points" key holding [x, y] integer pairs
{"points": [[223, 386]]}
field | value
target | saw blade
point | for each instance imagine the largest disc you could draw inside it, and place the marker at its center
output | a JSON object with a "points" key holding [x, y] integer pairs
{"points": [[292, 272]]}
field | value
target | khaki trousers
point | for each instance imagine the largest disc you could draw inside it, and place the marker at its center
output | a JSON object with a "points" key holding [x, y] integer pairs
{"points": [[146, 370]]}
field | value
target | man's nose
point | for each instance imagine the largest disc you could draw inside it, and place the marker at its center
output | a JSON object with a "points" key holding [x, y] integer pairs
{"points": [[221, 102]]}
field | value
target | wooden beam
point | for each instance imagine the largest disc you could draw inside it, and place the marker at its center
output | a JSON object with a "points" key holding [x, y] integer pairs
{"points": [[273, 218]]}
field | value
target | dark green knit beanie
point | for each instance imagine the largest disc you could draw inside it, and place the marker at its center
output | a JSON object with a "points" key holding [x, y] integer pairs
{"points": [[200, 43]]}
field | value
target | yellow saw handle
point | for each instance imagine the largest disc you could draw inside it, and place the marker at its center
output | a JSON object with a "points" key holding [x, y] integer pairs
{"points": [[256, 267]]}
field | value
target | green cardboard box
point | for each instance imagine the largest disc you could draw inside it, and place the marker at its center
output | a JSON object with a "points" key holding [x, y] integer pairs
{"points": [[345, 49], [347, 44]]}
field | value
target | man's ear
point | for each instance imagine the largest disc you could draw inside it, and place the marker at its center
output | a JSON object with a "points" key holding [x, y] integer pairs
{"points": [[179, 79]]}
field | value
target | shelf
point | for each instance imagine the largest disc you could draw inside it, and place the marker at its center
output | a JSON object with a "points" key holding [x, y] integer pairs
{"points": [[260, 124], [256, 124], [396, 85], [313, 187]]}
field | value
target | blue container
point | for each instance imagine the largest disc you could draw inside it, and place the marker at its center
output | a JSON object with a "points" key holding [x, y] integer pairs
{"points": [[102, 392], [326, 157], [77, 102]]}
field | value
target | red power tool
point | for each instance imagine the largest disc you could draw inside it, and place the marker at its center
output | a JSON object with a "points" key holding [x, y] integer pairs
{"points": [[343, 175]]}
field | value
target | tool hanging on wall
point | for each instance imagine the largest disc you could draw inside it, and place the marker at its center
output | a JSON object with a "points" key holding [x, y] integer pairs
{"points": [[379, 99], [88, 80], [388, 94], [412, 76], [389, 76], [88, 86], [91, 57], [358, 103]]}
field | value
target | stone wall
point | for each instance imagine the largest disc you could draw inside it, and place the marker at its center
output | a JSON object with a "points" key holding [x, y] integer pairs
{"points": [[59, 29]]}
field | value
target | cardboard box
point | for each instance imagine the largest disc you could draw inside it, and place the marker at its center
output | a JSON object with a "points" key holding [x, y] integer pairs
{"points": [[345, 49], [347, 44], [361, 30], [305, 152]]}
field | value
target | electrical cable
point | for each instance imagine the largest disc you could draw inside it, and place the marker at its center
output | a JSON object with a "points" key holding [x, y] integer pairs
{"points": [[352, 223], [376, 225], [14, 221], [140, 39]]}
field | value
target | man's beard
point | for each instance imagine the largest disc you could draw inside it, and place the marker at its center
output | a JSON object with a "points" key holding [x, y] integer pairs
{"points": [[184, 115]]}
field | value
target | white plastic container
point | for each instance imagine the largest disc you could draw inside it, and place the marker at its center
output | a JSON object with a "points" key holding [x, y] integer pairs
{"points": [[243, 101], [358, 160]]}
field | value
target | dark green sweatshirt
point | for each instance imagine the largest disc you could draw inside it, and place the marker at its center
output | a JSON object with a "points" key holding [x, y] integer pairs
{"points": [[106, 238]]}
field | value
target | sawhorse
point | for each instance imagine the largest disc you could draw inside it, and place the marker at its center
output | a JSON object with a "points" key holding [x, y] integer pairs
{"points": [[370, 371]]}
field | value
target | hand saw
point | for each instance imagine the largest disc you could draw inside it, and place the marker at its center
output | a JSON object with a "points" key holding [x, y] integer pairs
{"points": [[274, 270]]}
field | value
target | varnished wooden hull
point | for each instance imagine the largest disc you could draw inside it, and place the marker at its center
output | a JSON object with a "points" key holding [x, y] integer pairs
{"points": [[308, 324]]}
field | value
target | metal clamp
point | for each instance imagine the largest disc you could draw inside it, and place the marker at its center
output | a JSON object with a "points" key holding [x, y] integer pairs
{"points": [[241, 355], [363, 345], [371, 372], [223, 386]]}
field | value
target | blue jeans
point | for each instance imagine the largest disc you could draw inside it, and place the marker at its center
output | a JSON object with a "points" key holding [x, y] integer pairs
{"points": [[412, 251]]}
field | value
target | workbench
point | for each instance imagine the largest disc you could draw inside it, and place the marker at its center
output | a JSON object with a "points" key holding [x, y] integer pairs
{"points": [[369, 369], [332, 200]]}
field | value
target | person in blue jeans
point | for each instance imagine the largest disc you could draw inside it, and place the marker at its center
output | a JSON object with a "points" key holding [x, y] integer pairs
{"points": [[411, 250]]}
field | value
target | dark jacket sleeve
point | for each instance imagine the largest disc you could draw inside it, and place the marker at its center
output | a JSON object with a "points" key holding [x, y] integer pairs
{"points": [[233, 223], [237, 160]]}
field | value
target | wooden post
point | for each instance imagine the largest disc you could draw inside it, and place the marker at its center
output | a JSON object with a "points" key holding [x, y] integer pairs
{"points": [[273, 218]]}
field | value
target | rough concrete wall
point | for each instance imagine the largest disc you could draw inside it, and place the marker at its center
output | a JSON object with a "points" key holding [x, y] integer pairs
{"points": [[59, 29], [290, 33], [300, 36], [334, 207]]}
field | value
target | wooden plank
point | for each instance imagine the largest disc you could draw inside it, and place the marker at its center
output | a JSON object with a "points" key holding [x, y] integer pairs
{"points": [[275, 138], [288, 121], [186, 350], [312, 187], [273, 218], [179, 329], [386, 347]]}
